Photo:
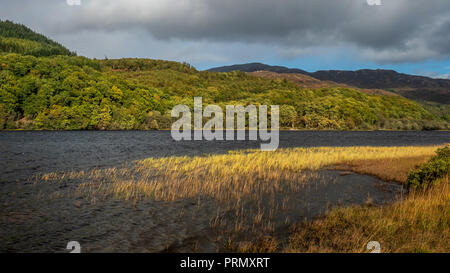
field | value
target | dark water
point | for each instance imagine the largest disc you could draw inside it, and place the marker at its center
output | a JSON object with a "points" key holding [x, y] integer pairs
{"points": [[24, 153], [34, 219]]}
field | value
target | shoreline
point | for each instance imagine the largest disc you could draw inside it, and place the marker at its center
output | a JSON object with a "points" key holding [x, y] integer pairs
{"points": [[224, 196]]}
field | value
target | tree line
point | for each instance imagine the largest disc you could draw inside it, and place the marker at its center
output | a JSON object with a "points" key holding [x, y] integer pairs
{"points": [[77, 93], [17, 38]]}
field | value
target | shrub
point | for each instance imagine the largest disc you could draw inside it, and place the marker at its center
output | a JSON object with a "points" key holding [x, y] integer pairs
{"points": [[428, 173]]}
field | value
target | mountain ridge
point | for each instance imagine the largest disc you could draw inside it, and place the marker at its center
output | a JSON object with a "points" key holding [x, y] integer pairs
{"points": [[305, 81], [420, 88]]}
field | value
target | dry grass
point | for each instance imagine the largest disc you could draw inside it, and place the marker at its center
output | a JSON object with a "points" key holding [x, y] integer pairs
{"points": [[266, 244], [244, 185], [240, 174], [420, 223], [387, 169]]}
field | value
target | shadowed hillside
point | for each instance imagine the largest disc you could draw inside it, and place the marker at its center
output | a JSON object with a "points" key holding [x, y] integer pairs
{"points": [[253, 67], [305, 81], [16, 38], [409, 86], [414, 87]]}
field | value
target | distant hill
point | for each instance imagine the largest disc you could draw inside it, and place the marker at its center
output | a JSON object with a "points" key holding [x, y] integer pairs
{"points": [[253, 67], [414, 87], [305, 81], [301, 80], [409, 86], [17, 38]]}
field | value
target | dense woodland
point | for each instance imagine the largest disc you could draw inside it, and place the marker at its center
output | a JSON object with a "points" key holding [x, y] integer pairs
{"points": [[16, 38], [57, 90]]}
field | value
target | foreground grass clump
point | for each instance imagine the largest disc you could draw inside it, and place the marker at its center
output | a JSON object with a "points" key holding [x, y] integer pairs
{"points": [[428, 173], [420, 223]]}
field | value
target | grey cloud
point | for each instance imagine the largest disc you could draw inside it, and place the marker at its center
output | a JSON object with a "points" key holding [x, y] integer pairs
{"points": [[440, 38], [397, 31]]}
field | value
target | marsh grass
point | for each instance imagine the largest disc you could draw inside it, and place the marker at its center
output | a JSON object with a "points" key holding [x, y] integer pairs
{"points": [[239, 173], [387, 169], [420, 223], [251, 189]]}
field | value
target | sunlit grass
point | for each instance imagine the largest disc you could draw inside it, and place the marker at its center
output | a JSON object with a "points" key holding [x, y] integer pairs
{"points": [[246, 187], [241, 173], [420, 223], [387, 169]]}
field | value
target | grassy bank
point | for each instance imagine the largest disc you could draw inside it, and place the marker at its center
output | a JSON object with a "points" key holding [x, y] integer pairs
{"points": [[251, 189], [420, 223]]}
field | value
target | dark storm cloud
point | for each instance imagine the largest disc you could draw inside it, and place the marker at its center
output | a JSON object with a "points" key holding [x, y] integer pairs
{"points": [[441, 38], [397, 31]]}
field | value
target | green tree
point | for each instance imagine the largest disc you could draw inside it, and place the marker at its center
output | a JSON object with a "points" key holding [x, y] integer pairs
{"points": [[288, 115]]}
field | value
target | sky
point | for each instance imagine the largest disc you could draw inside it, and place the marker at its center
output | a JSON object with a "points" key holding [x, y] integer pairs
{"points": [[409, 36]]}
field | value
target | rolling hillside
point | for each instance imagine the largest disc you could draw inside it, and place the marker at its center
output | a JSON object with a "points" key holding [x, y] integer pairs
{"points": [[409, 86], [66, 92], [414, 87], [305, 81], [253, 67]]}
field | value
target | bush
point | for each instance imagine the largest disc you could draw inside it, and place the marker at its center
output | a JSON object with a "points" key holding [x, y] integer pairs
{"points": [[428, 173]]}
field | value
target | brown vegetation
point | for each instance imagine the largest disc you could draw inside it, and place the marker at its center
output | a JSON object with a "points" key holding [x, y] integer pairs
{"points": [[305, 81], [245, 188], [387, 169], [420, 223]]}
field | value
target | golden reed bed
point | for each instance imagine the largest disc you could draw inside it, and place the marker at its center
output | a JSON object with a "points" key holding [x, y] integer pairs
{"points": [[420, 222], [240, 173]]}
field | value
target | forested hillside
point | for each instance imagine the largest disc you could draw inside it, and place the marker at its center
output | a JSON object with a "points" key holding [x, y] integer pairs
{"points": [[45, 86], [69, 92], [16, 38]]}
